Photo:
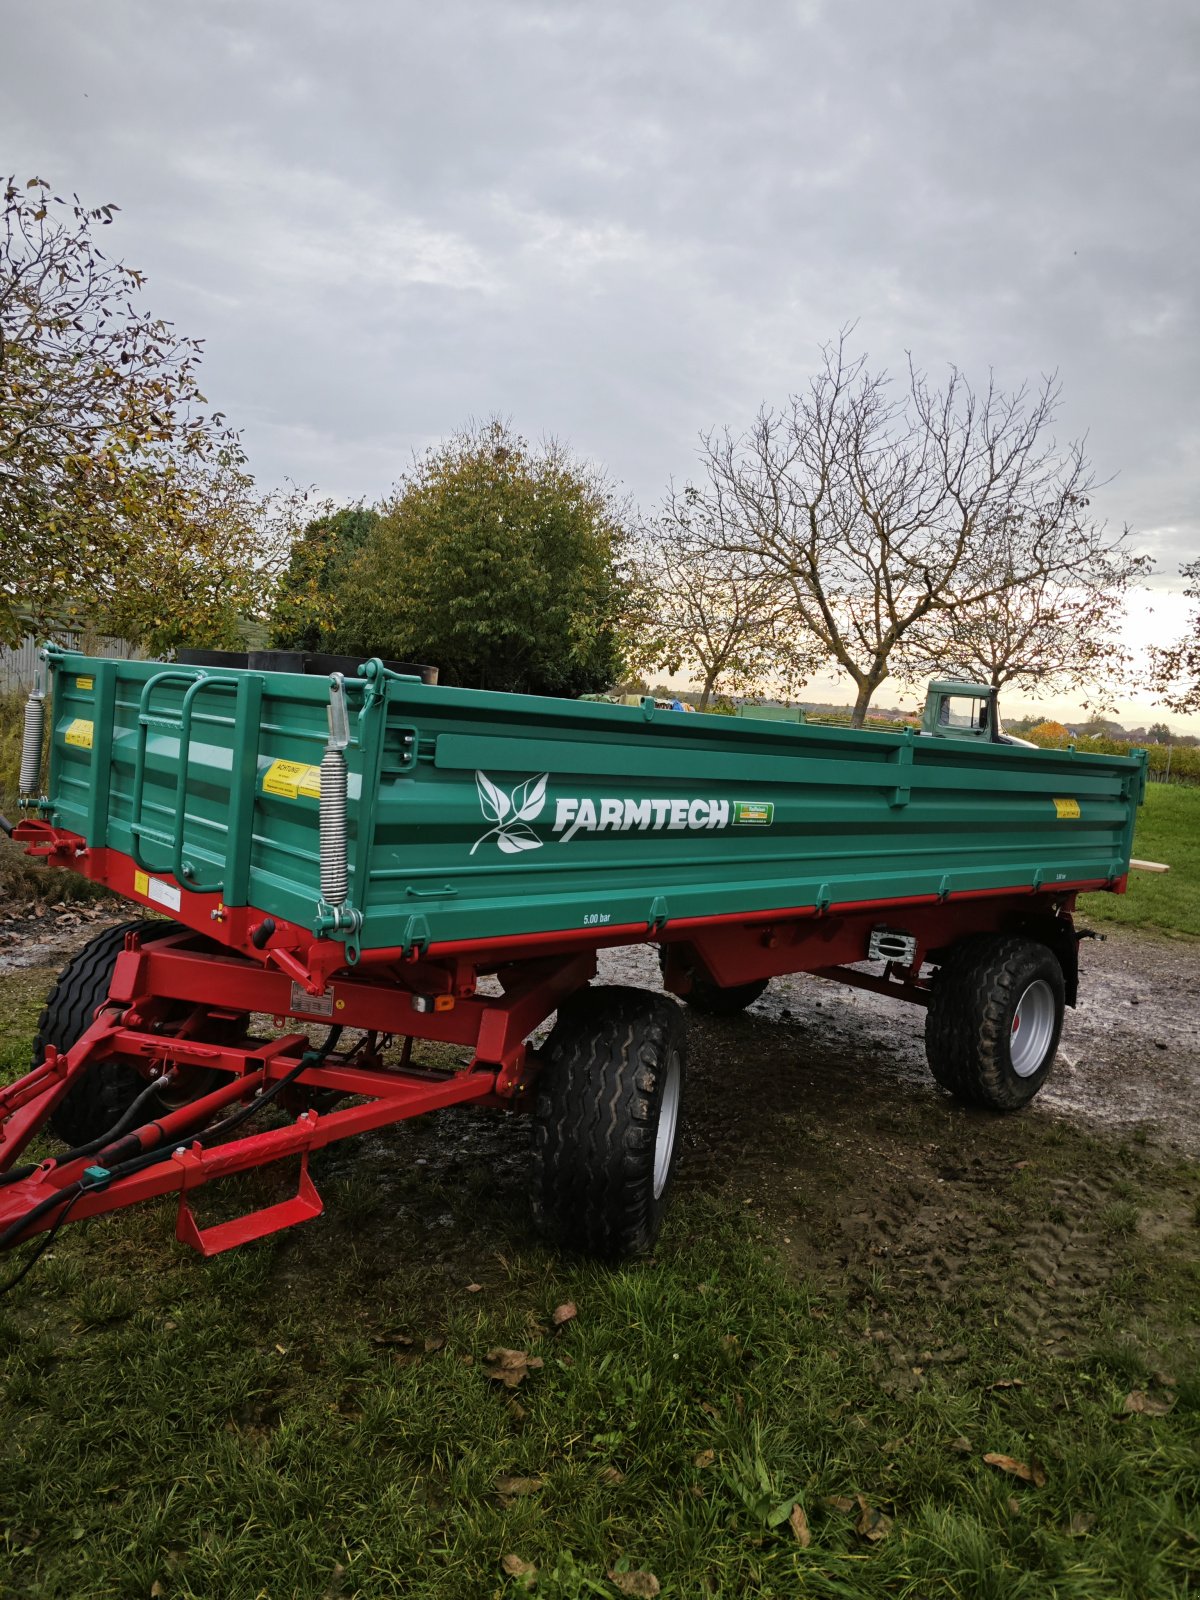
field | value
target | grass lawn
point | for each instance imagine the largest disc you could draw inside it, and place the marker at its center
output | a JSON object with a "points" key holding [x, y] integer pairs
{"points": [[1168, 829], [313, 1416]]}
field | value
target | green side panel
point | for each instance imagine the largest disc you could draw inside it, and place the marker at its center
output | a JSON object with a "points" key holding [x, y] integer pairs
{"points": [[486, 815]]}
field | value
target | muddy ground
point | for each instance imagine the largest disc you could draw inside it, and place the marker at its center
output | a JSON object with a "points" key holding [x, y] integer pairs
{"points": [[816, 1111]]}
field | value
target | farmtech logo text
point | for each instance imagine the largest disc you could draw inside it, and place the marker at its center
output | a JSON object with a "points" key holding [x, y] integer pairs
{"points": [[512, 811]]}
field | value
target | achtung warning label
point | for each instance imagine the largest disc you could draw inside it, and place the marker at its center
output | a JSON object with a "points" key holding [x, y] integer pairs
{"points": [[80, 733], [292, 779], [1066, 808]]}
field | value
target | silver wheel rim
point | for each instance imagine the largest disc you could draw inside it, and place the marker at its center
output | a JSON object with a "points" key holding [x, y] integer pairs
{"points": [[1032, 1028], [668, 1117]]}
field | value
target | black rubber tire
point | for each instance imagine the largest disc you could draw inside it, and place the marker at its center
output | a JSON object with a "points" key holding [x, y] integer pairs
{"points": [[104, 1091], [968, 1027], [607, 1065], [710, 999]]}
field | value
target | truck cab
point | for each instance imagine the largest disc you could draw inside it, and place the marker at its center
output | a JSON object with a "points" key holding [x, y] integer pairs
{"points": [[964, 711]]}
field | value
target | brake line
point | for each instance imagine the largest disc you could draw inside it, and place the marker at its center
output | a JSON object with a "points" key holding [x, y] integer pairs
{"points": [[123, 1122], [103, 1177]]}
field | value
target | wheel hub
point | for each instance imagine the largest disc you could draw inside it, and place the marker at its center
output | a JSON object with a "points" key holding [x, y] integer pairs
{"points": [[1032, 1028], [668, 1118]]}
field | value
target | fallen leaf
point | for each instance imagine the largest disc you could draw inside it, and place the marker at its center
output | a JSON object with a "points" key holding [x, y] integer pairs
{"points": [[567, 1312], [513, 1487], [474, 1288], [436, 1342], [524, 1571], [838, 1502], [156, 1589], [1014, 1505], [510, 1367], [1079, 1524], [891, 1447], [612, 1475], [798, 1523], [517, 1409], [706, 1458], [961, 1444], [1149, 1405], [638, 1583], [871, 1525], [1028, 1472], [388, 1338], [1008, 1383]]}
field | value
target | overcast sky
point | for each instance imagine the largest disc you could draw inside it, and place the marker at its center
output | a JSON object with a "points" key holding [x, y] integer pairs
{"points": [[624, 223]]}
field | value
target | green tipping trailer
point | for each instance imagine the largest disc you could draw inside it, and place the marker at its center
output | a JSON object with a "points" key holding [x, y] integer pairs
{"points": [[363, 848]]}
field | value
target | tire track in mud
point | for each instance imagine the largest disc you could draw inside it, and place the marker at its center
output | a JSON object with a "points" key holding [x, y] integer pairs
{"points": [[1066, 1261], [936, 1248]]}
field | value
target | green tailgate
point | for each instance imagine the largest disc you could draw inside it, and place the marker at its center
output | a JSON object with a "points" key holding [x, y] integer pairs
{"points": [[475, 815]]}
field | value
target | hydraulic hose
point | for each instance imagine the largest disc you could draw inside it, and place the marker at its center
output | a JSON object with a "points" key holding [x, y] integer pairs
{"points": [[148, 1158], [15, 1174]]}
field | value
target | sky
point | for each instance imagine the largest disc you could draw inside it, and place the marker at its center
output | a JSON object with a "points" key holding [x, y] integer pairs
{"points": [[624, 224]]}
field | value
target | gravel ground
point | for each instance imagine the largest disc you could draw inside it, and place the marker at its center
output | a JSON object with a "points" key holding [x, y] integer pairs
{"points": [[1129, 1057]]}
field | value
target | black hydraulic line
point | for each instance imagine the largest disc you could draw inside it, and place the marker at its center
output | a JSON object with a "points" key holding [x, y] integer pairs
{"points": [[15, 1174], [43, 1245], [6, 825], [68, 1196]]}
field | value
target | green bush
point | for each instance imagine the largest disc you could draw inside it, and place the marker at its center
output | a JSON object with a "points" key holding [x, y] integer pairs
{"points": [[1182, 759]]}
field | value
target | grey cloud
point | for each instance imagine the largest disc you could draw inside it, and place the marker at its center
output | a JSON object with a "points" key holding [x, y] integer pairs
{"points": [[623, 224]]}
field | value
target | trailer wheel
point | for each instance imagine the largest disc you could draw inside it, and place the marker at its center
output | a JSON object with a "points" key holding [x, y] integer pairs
{"points": [[104, 1091], [606, 1121], [994, 1021], [710, 998]]}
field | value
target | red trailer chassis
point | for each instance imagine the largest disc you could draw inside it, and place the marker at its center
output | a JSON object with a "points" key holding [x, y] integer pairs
{"points": [[171, 1000]]}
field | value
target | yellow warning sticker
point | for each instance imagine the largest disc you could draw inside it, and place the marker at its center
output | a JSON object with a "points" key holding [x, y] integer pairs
{"points": [[1066, 808], [163, 894], [80, 733], [292, 779], [85, 683]]}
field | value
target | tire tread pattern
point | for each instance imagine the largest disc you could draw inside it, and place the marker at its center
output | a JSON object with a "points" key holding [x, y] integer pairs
{"points": [[968, 1024], [100, 1095], [595, 1116]]}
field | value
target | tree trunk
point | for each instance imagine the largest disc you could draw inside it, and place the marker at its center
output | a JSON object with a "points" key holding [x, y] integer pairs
{"points": [[859, 714]]}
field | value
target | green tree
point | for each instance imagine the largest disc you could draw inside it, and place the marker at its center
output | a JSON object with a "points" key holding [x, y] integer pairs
{"points": [[308, 611], [121, 493], [498, 564]]}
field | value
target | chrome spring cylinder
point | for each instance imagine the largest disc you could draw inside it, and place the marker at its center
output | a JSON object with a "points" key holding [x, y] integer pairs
{"points": [[31, 742], [335, 875]]}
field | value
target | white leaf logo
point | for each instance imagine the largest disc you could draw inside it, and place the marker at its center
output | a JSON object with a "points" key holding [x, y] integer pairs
{"points": [[511, 814], [529, 797], [517, 837], [493, 801]]}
